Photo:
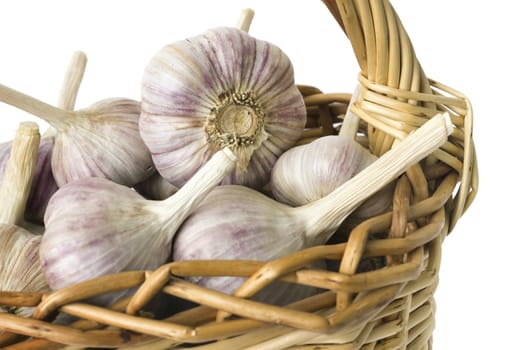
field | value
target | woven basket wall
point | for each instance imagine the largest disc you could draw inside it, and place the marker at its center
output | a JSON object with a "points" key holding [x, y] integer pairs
{"points": [[378, 290]]}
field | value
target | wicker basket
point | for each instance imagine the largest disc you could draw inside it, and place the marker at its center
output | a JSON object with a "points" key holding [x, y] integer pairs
{"points": [[389, 306]]}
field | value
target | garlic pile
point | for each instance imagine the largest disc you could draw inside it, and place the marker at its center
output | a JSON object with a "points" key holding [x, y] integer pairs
{"points": [[236, 222], [138, 182], [221, 88], [96, 227], [20, 268]]}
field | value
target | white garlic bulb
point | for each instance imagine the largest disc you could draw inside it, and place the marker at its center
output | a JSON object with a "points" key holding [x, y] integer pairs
{"points": [[221, 88], [96, 227], [99, 141], [309, 172]]}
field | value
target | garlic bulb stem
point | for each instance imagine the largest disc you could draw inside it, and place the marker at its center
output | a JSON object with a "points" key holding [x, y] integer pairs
{"points": [[18, 176], [350, 125], [57, 117], [245, 19], [70, 86], [192, 193], [72, 79], [330, 211]]}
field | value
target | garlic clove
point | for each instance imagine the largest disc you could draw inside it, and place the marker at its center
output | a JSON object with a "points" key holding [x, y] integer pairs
{"points": [[221, 88], [309, 172], [99, 141], [90, 234]]}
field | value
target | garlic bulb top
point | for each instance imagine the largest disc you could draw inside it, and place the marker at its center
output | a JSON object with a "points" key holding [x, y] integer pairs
{"points": [[96, 227], [221, 88], [99, 141], [309, 172]]}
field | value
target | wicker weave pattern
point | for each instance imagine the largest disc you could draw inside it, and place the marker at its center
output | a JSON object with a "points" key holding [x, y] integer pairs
{"points": [[391, 307]]}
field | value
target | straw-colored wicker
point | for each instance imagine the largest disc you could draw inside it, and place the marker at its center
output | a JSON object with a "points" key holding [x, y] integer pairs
{"points": [[389, 306]]}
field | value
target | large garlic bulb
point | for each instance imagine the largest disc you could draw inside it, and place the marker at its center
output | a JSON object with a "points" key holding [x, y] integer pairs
{"points": [[221, 88], [309, 172]]}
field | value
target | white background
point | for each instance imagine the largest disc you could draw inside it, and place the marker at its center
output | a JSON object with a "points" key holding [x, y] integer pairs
{"points": [[473, 46]]}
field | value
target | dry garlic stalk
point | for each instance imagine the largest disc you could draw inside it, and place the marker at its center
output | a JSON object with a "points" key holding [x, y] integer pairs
{"points": [[44, 184], [19, 263], [309, 172]]}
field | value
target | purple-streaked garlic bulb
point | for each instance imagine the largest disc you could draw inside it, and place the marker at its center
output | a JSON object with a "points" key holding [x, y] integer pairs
{"points": [[309, 172], [236, 222], [43, 184], [96, 227], [99, 141], [19, 264], [221, 88]]}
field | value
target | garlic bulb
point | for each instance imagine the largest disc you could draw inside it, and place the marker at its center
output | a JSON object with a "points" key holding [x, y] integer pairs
{"points": [[306, 173], [99, 141], [236, 222], [19, 264], [96, 227], [221, 88]]}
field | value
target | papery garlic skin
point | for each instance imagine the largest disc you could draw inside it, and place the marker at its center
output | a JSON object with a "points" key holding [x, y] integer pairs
{"points": [[19, 265], [43, 184], [221, 88], [98, 242], [236, 223], [309, 172], [106, 144]]}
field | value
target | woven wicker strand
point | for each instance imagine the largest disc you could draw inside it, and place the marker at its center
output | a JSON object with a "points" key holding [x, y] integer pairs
{"points": [[385, 307]]}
